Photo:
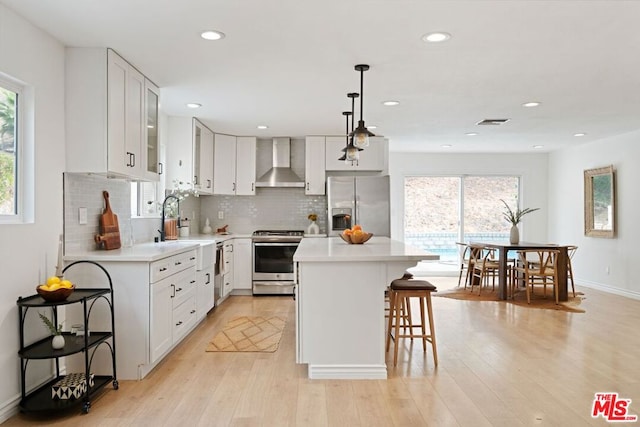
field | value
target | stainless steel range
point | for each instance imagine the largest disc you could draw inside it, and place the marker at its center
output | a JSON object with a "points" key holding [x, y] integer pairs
{"points": [[273, 261]]}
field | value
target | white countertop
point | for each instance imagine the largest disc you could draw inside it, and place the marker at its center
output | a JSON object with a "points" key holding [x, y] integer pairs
{"points": [[143, 252], [151, 251], [334, 249]]}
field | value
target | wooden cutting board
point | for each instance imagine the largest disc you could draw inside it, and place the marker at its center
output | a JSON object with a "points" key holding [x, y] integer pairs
{"points": [[109, 229]]}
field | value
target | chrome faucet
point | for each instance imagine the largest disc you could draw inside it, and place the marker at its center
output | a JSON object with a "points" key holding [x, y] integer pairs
{"points": [[164, 206]]}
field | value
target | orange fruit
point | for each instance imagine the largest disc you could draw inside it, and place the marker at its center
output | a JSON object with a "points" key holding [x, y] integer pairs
{"points": [[356, 227], [347, 232]]}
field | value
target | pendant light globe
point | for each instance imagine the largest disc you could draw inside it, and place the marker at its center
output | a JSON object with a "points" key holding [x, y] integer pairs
{"points": [[360, 136]]}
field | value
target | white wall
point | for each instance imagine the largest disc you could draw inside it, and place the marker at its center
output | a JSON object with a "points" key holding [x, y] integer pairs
{"points": [[30, 55], [566, 201], [532, 168]]}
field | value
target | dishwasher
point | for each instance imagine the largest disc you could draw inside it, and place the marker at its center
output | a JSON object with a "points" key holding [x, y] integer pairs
{"points": [[217, 274]]}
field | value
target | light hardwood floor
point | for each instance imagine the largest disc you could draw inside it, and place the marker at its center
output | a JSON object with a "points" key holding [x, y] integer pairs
{"points": [[500, 365]]}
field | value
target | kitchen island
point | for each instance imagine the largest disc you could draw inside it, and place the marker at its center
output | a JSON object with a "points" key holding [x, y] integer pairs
{"points": [[340, 325]]}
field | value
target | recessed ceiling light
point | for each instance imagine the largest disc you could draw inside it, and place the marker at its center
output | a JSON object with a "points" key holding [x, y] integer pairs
{"points": [[471, 133], [262, 127], [391, 103], [436, 37], [531, 104], [446, 146], [538, 146], [579, 134], [212, 35], [372, 127], [194, 105]]}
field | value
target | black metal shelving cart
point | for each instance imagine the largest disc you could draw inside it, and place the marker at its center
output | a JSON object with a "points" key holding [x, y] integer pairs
{"points": [[40, 399]]}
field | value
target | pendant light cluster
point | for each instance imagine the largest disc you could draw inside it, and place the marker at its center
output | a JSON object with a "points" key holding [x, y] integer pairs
{"points": [[358, 138]]}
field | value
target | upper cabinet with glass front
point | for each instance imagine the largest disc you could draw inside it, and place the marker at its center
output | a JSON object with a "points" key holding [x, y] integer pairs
{"points": [[189, 155], [152, 142], [107, 116]]}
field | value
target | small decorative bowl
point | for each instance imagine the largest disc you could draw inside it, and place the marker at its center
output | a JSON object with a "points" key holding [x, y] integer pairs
{"points": [[58, 295], [357, 239]]}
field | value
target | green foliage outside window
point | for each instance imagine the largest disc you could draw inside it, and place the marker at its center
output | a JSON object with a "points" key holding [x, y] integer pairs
{"points": [[7, 151]]}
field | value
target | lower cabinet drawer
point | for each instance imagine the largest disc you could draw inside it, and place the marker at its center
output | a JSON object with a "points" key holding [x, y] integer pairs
{"points": [[184, 317], [184, 286]]}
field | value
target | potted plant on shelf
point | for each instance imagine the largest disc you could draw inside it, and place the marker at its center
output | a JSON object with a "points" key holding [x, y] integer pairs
{"points": [[514, 218], [58, 339]]}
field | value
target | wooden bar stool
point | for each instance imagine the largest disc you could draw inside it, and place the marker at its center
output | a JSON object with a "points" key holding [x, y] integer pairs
{"points": [[400, 292]]}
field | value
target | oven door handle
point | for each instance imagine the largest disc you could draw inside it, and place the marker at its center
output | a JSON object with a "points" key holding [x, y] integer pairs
{"points": [[276, 244]]}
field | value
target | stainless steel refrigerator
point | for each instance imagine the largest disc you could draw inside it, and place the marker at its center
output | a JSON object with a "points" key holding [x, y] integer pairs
{"points": [[362, 200]]}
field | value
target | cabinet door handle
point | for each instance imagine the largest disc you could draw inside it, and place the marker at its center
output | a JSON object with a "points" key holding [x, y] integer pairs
{"points": [[178, 263], [192, 258], [253, 186], [195, 180], [173, 291], [129, 159], [192, 282], [307, 186], [179, 323], [208, 279], [234, 186], [193, 311], [179, 290], [160, 168], [133, 155], [208, 183], [163, 269]]}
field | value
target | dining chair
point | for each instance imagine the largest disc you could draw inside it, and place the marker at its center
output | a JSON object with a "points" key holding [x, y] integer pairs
{"points": [[464, 251], [571, 250], [537, 267], [481, 265]]}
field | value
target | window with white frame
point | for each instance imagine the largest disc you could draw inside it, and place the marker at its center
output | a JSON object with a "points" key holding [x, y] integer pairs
{"points": [[146, 199], [10, 183]]}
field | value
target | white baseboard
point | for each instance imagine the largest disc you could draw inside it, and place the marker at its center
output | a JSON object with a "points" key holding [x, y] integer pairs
{"points": [[9, 409], [608, 289], [348, 372]]}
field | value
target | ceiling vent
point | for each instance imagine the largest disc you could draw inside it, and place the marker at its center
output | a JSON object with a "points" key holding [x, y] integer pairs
{"points": [[492, 122]]}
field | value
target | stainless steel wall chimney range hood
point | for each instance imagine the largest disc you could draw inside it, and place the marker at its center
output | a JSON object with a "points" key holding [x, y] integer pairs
{"points": [[280, 175]]}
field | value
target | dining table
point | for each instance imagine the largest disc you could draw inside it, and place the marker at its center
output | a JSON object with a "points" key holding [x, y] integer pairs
{"points": [[503, 249]]}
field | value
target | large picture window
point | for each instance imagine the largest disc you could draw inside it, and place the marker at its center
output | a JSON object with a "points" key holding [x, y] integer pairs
{"points": [[442, 210], [9, 98]]}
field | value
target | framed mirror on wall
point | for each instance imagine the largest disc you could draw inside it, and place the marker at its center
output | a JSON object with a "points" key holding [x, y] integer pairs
{"points": [[599, 202]]}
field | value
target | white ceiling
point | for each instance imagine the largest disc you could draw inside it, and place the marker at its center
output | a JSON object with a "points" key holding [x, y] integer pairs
{"points": [[290, 63]]}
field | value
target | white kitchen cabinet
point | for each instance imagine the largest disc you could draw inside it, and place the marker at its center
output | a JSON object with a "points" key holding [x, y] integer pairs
{"points": [[246, 165], [161, 319], [234, 169], [314, 172], [224, 164], [151, 151], [150, 298], [227, 277], [242, 265], [203, 158], [106, 115], [372, 158], [205, 291], [205, 267], [189, 155], [173, 302]]}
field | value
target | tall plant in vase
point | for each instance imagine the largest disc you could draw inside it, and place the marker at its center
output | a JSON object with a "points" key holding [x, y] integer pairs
{"points": [[514, 218]]}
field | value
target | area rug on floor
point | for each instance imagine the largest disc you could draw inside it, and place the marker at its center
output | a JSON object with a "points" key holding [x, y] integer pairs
{"points": [[537, 299], [249, 333]]}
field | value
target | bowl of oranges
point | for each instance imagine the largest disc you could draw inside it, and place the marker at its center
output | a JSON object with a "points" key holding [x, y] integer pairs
{"points": [[355, 235], [56, 289]]}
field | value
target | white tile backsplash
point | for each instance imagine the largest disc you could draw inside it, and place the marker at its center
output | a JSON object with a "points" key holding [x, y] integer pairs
{"points": [[270, 208], [82, 190]]}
